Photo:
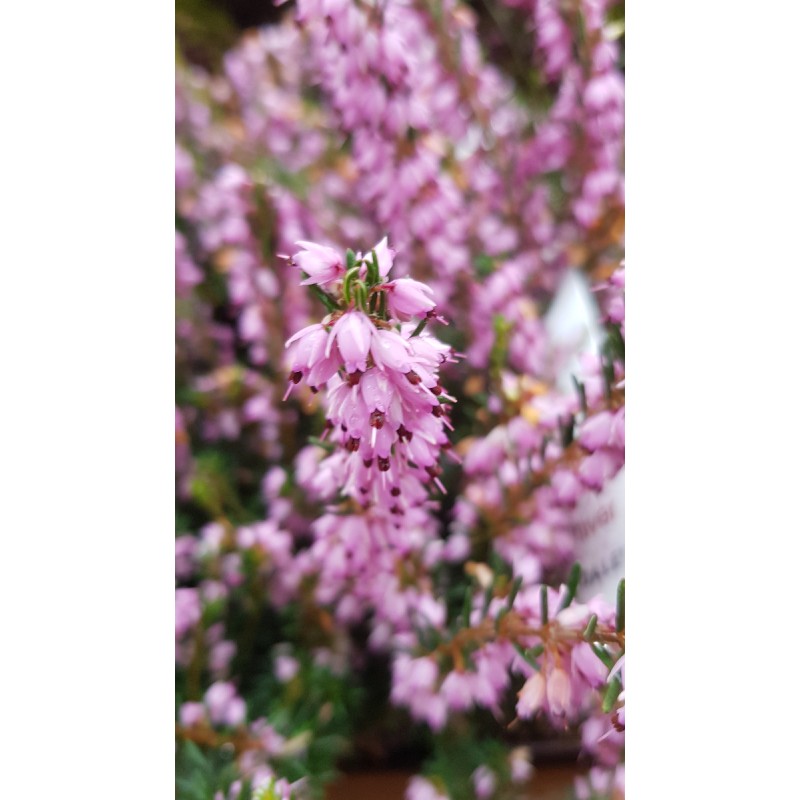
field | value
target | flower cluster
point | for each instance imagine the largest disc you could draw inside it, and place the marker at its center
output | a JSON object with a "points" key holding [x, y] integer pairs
{"points": [[385, 407], [568, 658]]}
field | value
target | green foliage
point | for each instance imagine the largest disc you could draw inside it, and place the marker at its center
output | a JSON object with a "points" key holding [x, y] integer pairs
{"points": [[614, 345], [460, 750], [204, 31], [201, 773]]}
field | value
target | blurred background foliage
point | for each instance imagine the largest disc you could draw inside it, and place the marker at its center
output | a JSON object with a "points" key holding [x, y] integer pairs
{"points": [[205, 29]]}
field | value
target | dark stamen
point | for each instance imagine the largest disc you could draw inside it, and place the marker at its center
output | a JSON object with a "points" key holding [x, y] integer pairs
{"points": [[376, 419]]}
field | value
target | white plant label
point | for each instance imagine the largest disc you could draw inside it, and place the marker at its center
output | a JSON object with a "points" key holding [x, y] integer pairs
{"points": [[598, 522]]}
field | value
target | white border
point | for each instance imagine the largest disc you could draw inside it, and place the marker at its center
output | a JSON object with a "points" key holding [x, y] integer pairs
{"points": [[711, 298], [87, 412]]}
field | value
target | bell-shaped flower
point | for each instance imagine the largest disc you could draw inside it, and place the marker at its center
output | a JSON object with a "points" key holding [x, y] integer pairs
{"points": [[390, 351], [322, 264], [385, 256], [559, 691], [531, 696], [406, 298], [353, 334]]}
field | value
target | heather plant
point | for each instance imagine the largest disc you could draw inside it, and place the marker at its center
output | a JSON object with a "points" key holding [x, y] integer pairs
{"points": [[380, 453]]}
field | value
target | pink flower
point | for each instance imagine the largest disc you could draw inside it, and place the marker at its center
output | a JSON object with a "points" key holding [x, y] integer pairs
{"points": [[385, 257], [421, 789], [391, 352], [187, 611], [531, 696], [406, 298], [600, 467], [456, 689], [192, 714], [586, 664], [221, 655], [566, 486], [235, 713], [521, 769], [322, 264], [224, 706], [484, 781], [596, 431], [559, 691], [286, 668], [353, 334]]}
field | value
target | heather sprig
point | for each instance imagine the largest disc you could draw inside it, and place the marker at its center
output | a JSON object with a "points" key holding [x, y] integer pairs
{"points": [[385, 408]]}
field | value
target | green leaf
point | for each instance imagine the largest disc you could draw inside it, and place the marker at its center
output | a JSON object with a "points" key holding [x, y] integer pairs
{"points": [[572, 586], [373, 273], [484, 266], [349, 277], [487, 598], [602, 654], [327, 300], [512, 595], [613, 691], [361, 297], [421, 327], [531, 654], [543, 603], [581, 389], [621, 605], [466, 611], [567, 429], [614, 345]]}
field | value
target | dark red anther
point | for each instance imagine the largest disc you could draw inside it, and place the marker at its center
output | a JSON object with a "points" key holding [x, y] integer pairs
{"points": [[434, 470], [437, 411], [353, 378], [296, 377], [314, 389], [367, 462], [396, 510], [413, 378], [395, 491], [376, 419], [404, 434], [383, 464], [353, 444], [437, 389]]}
